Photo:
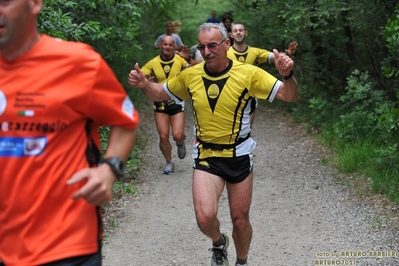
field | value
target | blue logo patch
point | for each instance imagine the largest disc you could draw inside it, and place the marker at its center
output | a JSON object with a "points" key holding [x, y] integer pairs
{"points": [[19, 147]]}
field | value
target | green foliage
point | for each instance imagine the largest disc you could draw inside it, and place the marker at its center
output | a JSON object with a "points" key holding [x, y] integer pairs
{"points": [[389, 125], [53, 21], [118, 25], [128, 188], [104, 135], [386, 157], [386, 182], [379, 164], [318, 108], [366, 121], [353, 158], [133, 162], [354, 125], [391, 35], [360, 109]]}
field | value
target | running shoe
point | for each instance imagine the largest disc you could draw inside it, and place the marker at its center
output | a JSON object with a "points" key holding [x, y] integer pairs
{"points": [[169, 168], [219, 254], [246, 264], [181, 150]]}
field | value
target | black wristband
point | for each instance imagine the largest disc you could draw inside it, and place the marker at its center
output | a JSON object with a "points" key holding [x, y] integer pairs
{"points": [[289, 75]]}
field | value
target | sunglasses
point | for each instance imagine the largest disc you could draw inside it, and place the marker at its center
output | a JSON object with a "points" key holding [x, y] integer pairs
{"points": [[211, 46]]}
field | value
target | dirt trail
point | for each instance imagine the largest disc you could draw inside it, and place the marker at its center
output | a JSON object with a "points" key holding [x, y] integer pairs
{"points": [[301, 214]]}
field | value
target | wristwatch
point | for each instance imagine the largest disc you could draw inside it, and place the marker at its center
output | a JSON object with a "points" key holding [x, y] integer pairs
{"points": [[289, 75], [118, 166]]}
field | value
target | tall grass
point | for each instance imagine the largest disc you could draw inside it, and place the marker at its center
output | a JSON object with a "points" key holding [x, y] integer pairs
{"points": [[369, 160]]}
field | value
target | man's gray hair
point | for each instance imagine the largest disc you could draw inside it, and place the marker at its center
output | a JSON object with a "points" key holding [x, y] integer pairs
{"points": [[208, 26]]}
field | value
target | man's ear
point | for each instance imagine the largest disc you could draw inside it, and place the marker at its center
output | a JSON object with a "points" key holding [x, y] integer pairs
{"points": [[36, 6], [227, 41]]}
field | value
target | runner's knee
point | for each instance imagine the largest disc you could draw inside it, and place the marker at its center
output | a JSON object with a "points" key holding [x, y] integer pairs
{"points": [[205, 219], [240, 221], [179, 136]]}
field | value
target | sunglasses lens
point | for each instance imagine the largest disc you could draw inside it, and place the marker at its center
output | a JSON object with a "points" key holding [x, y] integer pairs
{"points": [[210, 46]]}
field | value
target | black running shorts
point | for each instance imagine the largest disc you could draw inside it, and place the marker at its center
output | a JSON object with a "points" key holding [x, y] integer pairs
{"points": [[170, 108], [233, 170]]}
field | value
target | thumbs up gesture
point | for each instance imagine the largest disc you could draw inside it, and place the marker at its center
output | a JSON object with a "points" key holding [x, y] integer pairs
{"points": [[136, 77], [283, 63]]}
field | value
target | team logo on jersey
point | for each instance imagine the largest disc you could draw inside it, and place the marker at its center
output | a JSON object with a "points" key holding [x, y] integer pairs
{"points": [[166, 69], [213, 91], [241, 57], [3, 102]]}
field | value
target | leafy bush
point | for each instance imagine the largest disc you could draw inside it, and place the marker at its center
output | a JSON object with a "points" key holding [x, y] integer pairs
{"points": [[361, 108], [391, 35], [389, 125], [58, 23], [318, 111]]}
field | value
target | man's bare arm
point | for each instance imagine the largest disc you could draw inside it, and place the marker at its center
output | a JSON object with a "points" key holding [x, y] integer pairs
{"points": [[288, 91], [99, 181]]}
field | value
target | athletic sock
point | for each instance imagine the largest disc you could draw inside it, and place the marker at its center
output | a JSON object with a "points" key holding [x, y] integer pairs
{"points": [[241, 261], [221, 241]]}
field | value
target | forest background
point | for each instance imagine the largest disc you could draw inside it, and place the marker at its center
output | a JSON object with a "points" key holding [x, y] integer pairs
{"points": [[346, 64]]}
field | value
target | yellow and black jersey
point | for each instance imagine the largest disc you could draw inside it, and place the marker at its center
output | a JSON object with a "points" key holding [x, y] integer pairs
{"points": [[221, 105], [163, 70], [251, 55]]}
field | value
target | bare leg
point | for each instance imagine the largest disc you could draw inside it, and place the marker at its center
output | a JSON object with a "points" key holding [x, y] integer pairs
{"points": [[163, 124], [240, 197], [177, 123], [207, 189]]}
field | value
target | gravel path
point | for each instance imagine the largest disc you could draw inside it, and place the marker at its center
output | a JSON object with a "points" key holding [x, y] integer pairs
{"points": [[302, 213]]}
